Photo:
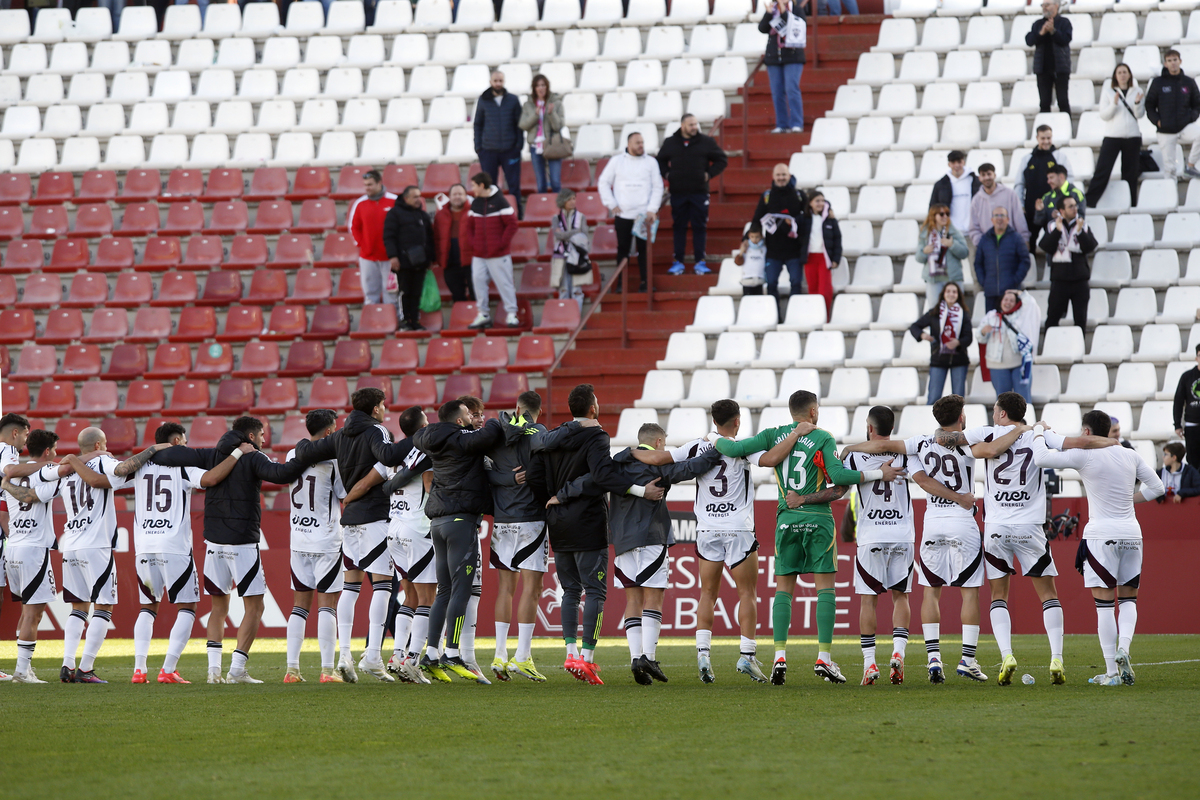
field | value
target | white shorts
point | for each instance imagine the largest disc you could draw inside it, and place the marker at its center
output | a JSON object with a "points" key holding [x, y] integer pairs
{"points": [[647, 567], [3, 562], [1109, 563], [169, 574], [229, 567], [1027, 543], [412, 553], [880, 567], [320, 572], [90, 576], [520, 545], [952, 555], [732, 547], [366, 547], [30, 577]]}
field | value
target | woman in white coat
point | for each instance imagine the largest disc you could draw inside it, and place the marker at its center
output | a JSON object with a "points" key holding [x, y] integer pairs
{"points": [[1122, 104]]}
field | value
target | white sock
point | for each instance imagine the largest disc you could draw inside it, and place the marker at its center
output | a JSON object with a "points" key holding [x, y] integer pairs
{"points": [[326, 631], [970, 642], [589, 655], [868, 648], [525, 640], [181, 631], [1106, 629], [780, 654], [295, 635], [24, 655], [1052, 618], [703, 642], [402, 626], [238, 665], [651, 625], [933, 648], [381, 595], [96, 631], [748, 646], [573, 648], [825, 656], [633, 635], [899, 640], [502, 640], [213, 649], [345, 616], [466, 642], [143, 630], [1126, 622], [453, 652], [1002, 627], [72, 633], [420, 630]]}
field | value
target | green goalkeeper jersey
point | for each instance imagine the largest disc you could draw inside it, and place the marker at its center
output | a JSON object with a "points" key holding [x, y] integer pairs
{"points": [[809, 468]]}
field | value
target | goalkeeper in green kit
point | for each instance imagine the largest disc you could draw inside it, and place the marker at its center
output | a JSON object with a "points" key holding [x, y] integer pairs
{"points": [[804, 533]]}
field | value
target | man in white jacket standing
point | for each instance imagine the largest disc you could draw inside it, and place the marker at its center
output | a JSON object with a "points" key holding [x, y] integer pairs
{"points": [[631, 186]]}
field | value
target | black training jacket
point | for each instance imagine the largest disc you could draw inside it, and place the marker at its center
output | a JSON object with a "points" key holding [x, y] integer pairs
{"points": [[512, 501], [460, 483], [1186, 407], [1172, 102], [684, 162]]}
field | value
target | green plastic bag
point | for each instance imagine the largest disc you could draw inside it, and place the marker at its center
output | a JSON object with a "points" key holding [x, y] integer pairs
{"points": [[431, 296]]}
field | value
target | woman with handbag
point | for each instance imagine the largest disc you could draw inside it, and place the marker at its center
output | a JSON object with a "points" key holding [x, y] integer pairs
{"points": [[408, 237], [947, 328], [941, 248], [570, 232], [1122, 104], [542, 120]]}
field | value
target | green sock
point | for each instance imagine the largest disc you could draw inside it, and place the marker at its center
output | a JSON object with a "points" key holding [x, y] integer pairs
{"points": [[826, 607], [781, 618]]}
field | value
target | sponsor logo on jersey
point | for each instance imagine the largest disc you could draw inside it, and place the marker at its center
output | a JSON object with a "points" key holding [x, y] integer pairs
{"points": [[884, 514], [1012, 497]]}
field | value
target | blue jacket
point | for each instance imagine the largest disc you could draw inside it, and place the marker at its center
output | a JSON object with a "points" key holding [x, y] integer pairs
{"points": [[1000, 266], [496, 126]]}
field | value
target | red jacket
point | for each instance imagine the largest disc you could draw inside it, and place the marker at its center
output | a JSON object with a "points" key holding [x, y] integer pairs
{"points": [[366, 225], [490, 225], [442, 221]]}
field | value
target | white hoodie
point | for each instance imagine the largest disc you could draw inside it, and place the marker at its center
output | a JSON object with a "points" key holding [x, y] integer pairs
{"points": [[631, 183], [1121, 124]]}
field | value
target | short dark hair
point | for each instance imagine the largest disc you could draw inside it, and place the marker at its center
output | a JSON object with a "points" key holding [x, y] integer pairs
{"points": [[1098, 422], [530, 401], [408, 189], [459, 185], [956, 155], [482, 178], [1172, 52], [449, 411], [168, 429], [374, 175], [755, 227], [948, 409], [366, 398], [473, 403], [247, 425], [410, 420], [42, 440], [801, 401], [1198, 348], [1013, 405], [1041, 128], [725, 411], [685, 118], [9, 420], [580, 399], [631, 135], [1058, 169], [1174, 448], [649, 432], [985, 167], [882, 419], [320, 419]]}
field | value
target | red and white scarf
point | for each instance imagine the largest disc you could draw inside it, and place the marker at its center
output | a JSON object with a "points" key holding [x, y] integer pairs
{"points": [[951, 318]]}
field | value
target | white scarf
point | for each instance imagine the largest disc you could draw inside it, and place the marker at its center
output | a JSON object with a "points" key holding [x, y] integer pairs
{"points": [[790, 30], [771, 221], [1068, 243]]}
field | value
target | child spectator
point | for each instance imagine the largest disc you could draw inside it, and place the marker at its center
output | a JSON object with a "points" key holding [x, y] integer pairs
{"points": [[752, 258]]}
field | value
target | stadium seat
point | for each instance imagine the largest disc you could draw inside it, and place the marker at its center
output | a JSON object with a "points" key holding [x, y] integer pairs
{"points": [[331, 393], [183, 219], [170, 361], [534, 354], [1086, 383], [15, 397], [161, 253], [196, 323], [36, 362], [686, 424], [55, 399], [397, 357], [735, 351], [311, 287], [228, 218], [1111, 344], [1159, 343], [67, 429], [97, 399], [316, 216], [48, 222], [349, 290], [132, 290], [221, 289], [874, 349], [234, 397], [442, 356], [277, 395], [126, 361], [267, 288], [41, 291], [459, 385], [80, 362], [376, 321], [1062, 345], [143, 399], [176, 289], [206, 431], [559, 316], [349, 358], [213, 361], [328, 322], [63, 326], [259, 359], [246, 252], [661, 389], [685, 351], [1180, 305], [273, 217], [415, 390], [506, 388], [488, 354], [1134, 383]]}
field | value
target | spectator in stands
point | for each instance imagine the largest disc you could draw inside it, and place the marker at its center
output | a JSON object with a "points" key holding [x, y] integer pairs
{"points": [[1010, 339], [1001, 260], [631, 187], [203, 6], [788, 35], [367, 215], [451, 249], [992, 193], [689, 159], [1050, 38], [1067, 241], [1031, 177], [489, 227], [1122, 104], [947, 328], [956, 189], [786, 221], [1049, 206], [1181, 480], [115, 7], [1173, 105], [752, 258], [838, 7], [498, 135], [1114, 432], [408, 235], [570, 231], [824, 249], [941, 248], [1186, 410], [541, 118]]}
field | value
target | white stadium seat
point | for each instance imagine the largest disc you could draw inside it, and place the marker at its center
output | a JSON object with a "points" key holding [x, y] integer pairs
{"points": [[1111, 344], [780, 350], [685, 351], [756, 314], [1085, 383], [661, 389], [873, 349]]}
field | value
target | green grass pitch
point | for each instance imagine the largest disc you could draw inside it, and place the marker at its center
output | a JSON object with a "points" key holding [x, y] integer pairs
{"points": [[564, 739]]}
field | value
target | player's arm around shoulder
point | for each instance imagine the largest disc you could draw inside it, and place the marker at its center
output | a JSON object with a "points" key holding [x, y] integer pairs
{"points": [[96, 480], [779, 450], [221, 471], [1152, 485], [981, 448]]}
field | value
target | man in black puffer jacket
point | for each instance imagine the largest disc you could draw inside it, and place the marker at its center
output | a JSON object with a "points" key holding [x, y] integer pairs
{"points": [[408, 237], [498, 135], [1173, 105], [688, 159], [784, 215]]}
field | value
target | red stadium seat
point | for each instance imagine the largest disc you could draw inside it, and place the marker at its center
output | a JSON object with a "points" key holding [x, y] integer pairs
{"points": [[591, 206], [171, 361], [126, 361], [304, 360], [276, 396], [376, 321], [462, 314], [221, 289], [228, 218], [8, 291], [398, 176], [600, 165], [534, 354], [41, 291], [268, 183], [120, 434], [350, 183], [431, 321], [604, 243], [69, 255], [287, 322], [143, 399], [88, 290], [312, 286], [559, 316], [15, 397], [213, 361], [338, 250], [132, 290], [439, 178], [196, 323], [23, 256], [141, 185], [382, 384], [506, 388], [259, 359], [524, 320], [80, 362], [54, 188], [524, 245], [203, 253], [113, 255], [15, 189], [459, 385], [223, 184], [294, 429], [68, 430], [310, 182], [349, 287], [539, 210], [234, 396], [183, 219], [110, 325], [12, 223], [443, 356], [352, 358], [274, 216], [576, 174], [392, 423], [176, 289], [329, 322], [415, 390], [535, 281], [247, 252], [267, 287], [183, 184], [152, 426], [162, 253], [331, 393], [140, 219], [63, 326], [528, 178], [151, 325], [36, 363], [97, 399], [399, 356], [292, 250], [488, 354], [316, 216], [97, 186], [48, 222], [242, 323], [206, 431], [55, 399]]}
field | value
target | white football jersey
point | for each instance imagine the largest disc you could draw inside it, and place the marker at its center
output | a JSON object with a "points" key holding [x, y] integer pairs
{"points": [[724, 494], [316, 510], [1016, 493], [407, 506], [884, 507], [30, 524], [162, 508], [8, 455], [954, 469], [91, 515]]}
